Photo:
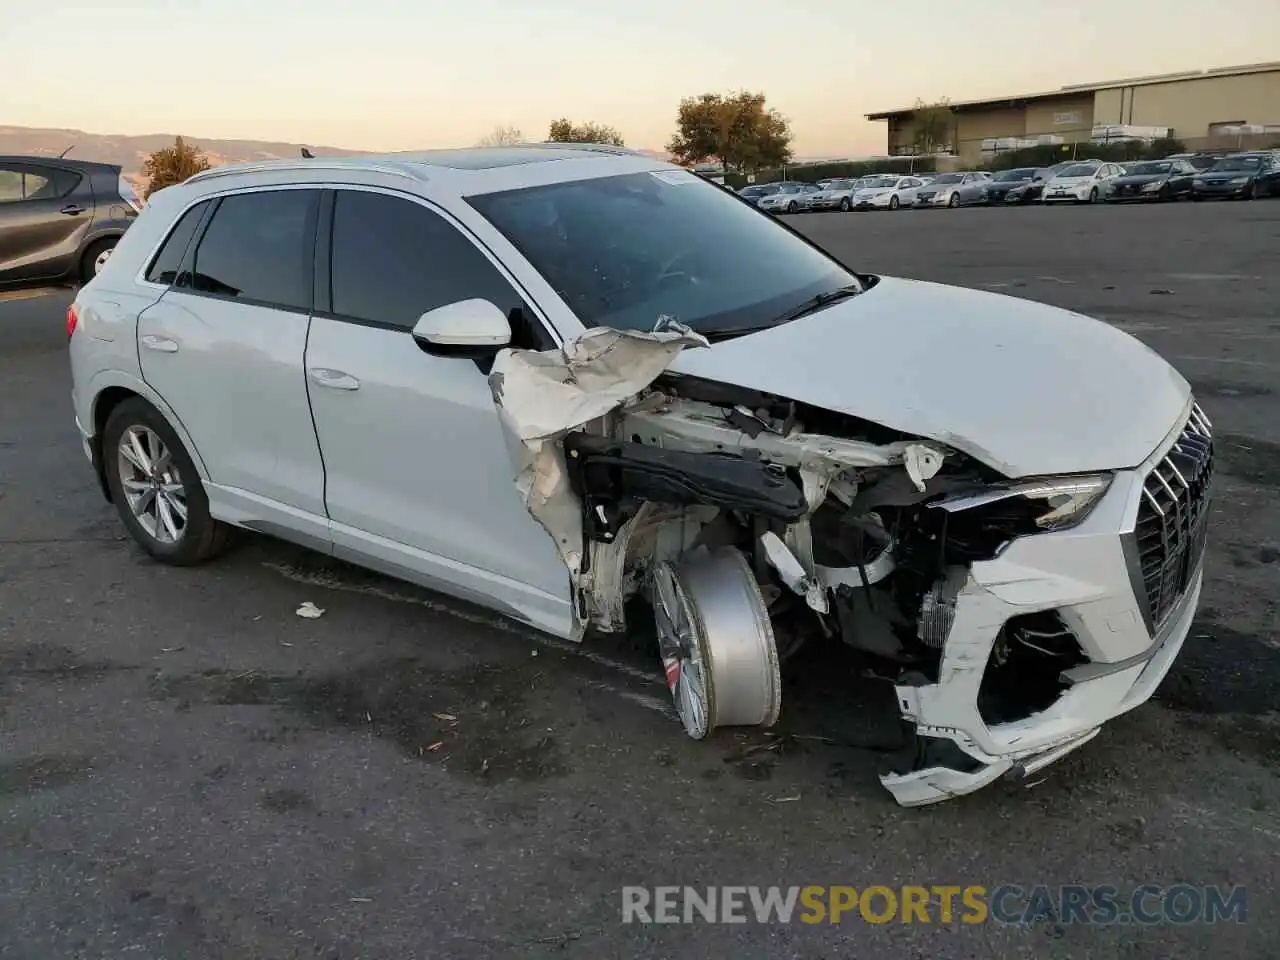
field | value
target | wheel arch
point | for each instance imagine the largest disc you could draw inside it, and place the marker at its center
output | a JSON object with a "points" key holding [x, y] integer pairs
{"points": [[112, 389]]}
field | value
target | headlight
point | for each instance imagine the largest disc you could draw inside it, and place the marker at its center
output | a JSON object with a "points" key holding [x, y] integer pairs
{"points": [[1032, 506], [1239, 179], [1197, 182], [1153, 186]]}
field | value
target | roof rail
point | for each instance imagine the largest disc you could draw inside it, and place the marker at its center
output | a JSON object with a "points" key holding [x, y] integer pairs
{"points": [[312, 163], [586, 147]]}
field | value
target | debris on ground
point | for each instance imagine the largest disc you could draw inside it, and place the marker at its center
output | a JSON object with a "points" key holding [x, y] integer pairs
{"points": [[309, 611]]}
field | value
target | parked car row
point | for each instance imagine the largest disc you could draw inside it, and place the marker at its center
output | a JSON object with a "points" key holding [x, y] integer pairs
{"points": [[1197, 177]]}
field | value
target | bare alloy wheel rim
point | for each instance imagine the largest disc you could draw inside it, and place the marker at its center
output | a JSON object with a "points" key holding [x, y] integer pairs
{"points": [[101, 260], [681, 654], [152, 485]]}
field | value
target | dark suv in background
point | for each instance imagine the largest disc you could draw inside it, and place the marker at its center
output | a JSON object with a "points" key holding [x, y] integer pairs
{"points": [[60, 219]]}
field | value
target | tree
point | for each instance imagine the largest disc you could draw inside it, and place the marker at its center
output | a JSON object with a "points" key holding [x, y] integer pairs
{"points": [[736, 129], [172, 165], [503, 135], [565, 131], [931, 126]]}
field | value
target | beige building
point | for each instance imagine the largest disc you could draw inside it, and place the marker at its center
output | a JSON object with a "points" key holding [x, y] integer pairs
{"points": [[1225, 106]]}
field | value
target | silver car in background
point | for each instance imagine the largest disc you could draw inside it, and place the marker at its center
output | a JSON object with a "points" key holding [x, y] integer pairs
{"points": [[790, 197], [954, 190], [834, 195]]}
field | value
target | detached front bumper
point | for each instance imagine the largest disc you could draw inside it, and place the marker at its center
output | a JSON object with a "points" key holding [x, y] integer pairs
{"points": [[1092, 579]]}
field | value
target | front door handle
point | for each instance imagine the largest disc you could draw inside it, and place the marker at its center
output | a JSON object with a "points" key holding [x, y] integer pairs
{"points": [[333, 379], [71, 210], [159, 344]]}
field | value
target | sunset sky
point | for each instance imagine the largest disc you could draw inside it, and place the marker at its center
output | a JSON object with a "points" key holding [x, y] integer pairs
{"points": [[403, 74]]}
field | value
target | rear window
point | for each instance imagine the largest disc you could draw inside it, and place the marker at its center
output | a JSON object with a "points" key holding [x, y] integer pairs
{"points": [[259, 247]]}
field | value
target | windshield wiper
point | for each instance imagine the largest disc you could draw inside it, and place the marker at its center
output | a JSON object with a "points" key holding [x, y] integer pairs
{"points": [[805, 307], [817, 303]]}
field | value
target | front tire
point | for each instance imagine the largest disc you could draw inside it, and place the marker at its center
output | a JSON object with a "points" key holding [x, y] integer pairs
{"points": [[953, 201], [156, 488], [893, 203], [845, 205], [95, 257], [791, 207]]}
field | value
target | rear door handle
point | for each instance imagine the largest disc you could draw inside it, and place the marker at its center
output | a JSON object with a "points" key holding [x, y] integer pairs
{"points": [[333, 379], [160, 344], [71, 210]]}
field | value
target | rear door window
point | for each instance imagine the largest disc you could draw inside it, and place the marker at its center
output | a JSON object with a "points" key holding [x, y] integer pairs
{"points": [[22, 183], [258, 248]]}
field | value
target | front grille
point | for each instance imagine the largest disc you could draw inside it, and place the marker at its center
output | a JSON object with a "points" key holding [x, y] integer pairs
{"points": [[1172, 515]]}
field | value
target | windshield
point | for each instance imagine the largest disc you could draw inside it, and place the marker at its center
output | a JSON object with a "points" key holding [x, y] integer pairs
{"points": [[1009, 175], [757, 191], [877, 182], [838, 185], [1145, 169], [1238, 163], [627, 250], [1079, 170], [950, 178]]}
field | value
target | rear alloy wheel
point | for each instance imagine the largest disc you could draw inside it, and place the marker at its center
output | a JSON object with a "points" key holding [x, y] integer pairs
{"points": [[96, 257], [156, 488], [893, 202]]}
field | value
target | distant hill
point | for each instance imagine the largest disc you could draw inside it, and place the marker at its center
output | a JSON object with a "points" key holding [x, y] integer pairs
{"points": [[130, 152]]}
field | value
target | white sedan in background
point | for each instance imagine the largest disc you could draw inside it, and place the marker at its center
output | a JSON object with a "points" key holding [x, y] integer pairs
{"points": [[887, 192], [1081, 182]]}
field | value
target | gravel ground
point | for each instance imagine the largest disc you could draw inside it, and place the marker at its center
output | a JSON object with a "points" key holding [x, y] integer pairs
{"points": [[188, 769]]}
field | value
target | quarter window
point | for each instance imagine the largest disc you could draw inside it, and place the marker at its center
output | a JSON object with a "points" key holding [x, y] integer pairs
{"points": [[258, 247], [164, 268], [393, 260]]}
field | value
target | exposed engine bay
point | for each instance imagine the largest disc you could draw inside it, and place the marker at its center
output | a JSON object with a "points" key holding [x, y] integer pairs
{"points": [[752, 523]]}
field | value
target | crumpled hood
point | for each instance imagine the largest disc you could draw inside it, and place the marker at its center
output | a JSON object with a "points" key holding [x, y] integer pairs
{"points": [[1024, 387]]}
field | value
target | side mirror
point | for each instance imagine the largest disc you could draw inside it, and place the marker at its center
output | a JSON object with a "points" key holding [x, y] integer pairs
{"points": [[468, 328]]}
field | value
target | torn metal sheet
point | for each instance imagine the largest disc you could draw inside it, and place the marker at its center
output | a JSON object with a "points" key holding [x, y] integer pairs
{"points": [[542, 395]]}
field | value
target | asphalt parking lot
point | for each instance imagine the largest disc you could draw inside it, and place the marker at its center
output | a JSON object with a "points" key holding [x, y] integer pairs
{"points": [[188, 769]]}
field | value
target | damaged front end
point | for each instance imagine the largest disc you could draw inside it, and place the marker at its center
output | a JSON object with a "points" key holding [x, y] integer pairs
{"points": [[751, 521]]}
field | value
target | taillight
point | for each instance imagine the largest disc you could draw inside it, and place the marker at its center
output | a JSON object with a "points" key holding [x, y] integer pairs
{"points": [[72, 320]]}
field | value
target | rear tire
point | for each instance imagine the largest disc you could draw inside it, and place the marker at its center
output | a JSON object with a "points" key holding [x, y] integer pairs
{"points": [[156, 488], [95, 256]]}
